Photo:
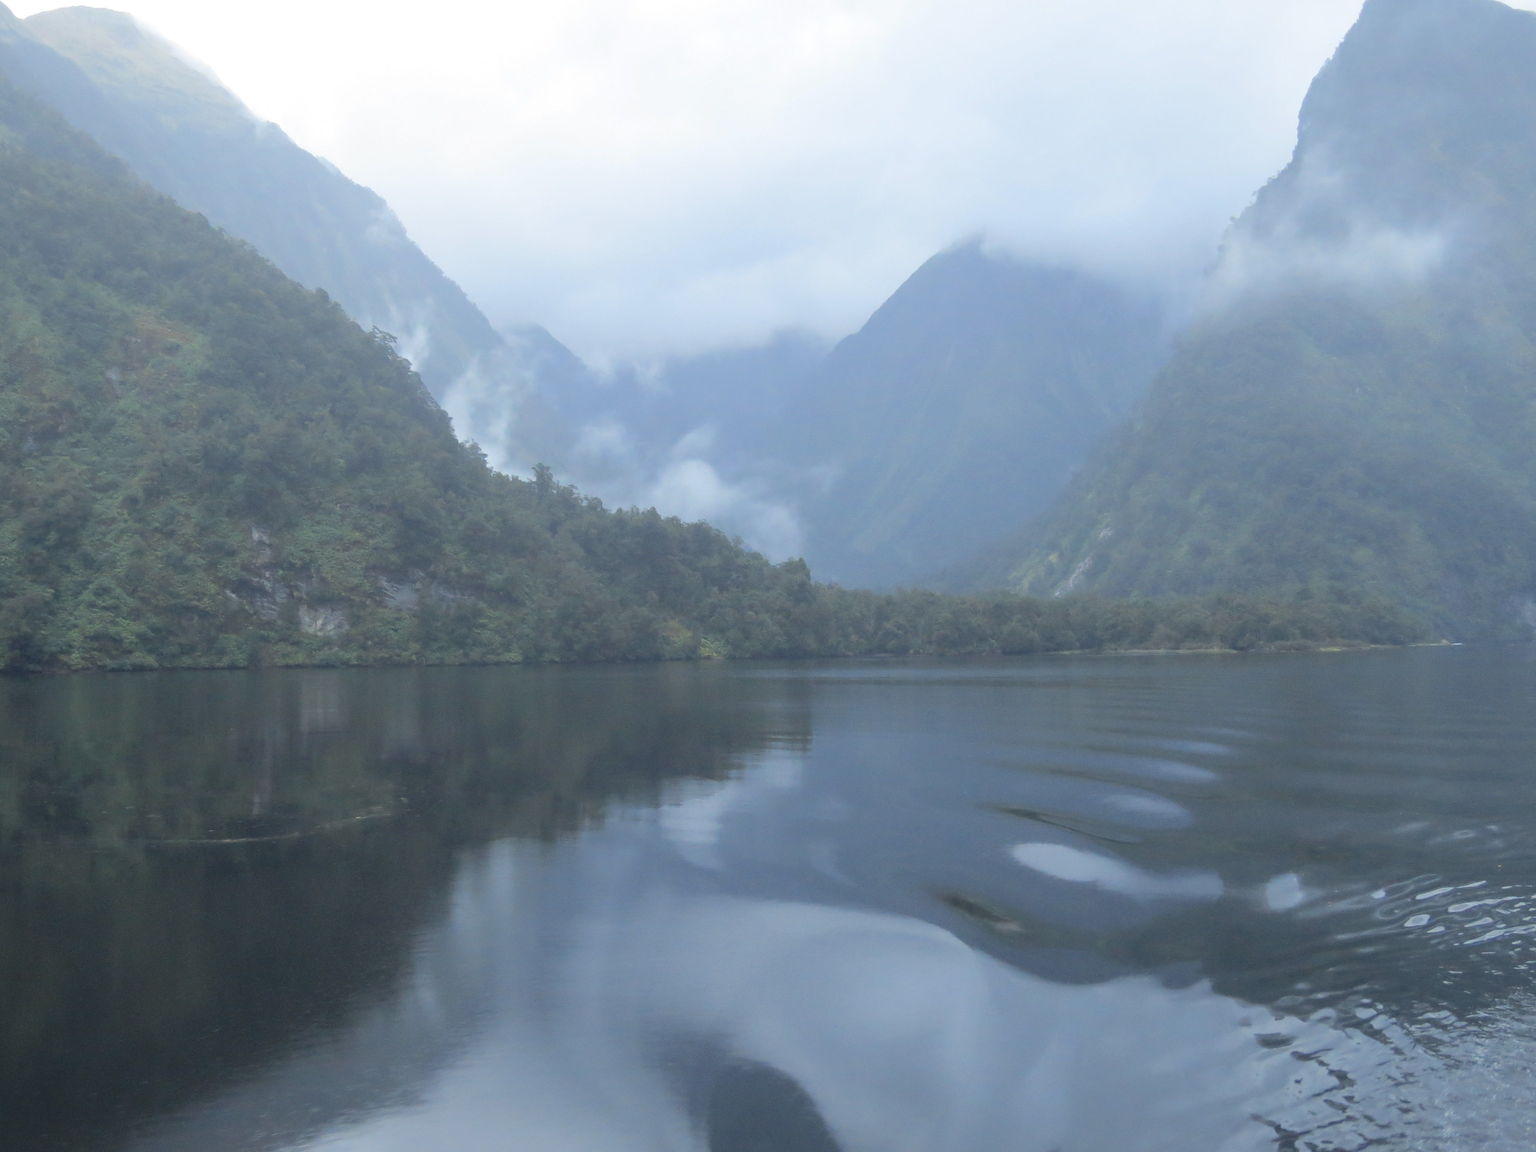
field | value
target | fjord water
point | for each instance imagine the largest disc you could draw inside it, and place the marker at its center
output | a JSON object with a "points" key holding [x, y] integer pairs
{"points": [[1088, 904]]}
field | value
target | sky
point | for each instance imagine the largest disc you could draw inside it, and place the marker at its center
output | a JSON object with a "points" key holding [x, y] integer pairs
{"points": [[652, 177]]}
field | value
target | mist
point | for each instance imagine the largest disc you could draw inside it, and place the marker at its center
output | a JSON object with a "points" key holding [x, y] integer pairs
{"points": [[685, 479], [1369, 257]]}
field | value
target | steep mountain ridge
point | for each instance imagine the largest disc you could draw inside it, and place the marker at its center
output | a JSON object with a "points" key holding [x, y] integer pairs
{"points": [[181, 131], [958, 412], [1357, 407]]}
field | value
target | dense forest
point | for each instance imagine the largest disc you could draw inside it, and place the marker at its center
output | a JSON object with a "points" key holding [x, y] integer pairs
{"points": [[204, 464]]}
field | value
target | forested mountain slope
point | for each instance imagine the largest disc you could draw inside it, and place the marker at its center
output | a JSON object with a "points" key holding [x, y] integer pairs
{"points": [[203, 463], [186, 135], [1357, 405]]}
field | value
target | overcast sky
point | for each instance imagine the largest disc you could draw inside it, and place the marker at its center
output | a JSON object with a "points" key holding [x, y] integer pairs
{"points": [[642, 176]]}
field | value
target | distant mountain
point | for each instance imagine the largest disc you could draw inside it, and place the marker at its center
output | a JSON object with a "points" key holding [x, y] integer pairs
{"points": [[963, 407], [1357, 406], [699, 436], [186, 135], [958, 411]]}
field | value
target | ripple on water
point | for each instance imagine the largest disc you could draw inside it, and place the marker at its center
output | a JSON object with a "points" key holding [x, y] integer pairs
{"points": [[1146, 810], [1078, 866]]}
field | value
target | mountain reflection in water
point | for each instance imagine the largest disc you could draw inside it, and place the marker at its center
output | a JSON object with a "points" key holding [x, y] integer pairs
{"points": [[1085, 904]]}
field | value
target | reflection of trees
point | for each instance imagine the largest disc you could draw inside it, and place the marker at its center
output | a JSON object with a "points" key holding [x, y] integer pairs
{"points": [[142, 961], [133, 978]]}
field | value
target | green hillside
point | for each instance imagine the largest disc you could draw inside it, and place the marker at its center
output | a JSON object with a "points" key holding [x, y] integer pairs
{"points": [[1357, 406], [201, 462], [181, 131], [955, 414]]}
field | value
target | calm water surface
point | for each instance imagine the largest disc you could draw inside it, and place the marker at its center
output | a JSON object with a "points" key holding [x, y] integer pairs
{"points": [[1057, 905]]}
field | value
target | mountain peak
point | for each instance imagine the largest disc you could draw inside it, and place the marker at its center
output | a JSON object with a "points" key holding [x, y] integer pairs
{"points": [[1476, 47], [123, 55], [1420, 123], [1363, 381], [1411, 10]]}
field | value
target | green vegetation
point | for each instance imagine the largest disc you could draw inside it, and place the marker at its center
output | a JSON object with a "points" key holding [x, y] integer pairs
{"points": [[187, 136]]}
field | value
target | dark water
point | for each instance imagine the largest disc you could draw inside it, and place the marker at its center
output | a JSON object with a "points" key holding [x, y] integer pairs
{"points": [[1061, 905]]}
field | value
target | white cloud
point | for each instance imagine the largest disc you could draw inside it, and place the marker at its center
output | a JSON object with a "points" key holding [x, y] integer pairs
{"points": [[691, 489], [604, 442], [1370, 256], [684, 482], [660, 175], [1357, 251]]}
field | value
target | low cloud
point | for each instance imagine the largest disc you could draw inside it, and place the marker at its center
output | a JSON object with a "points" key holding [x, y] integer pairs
{"points": [[687, 482], [691, 489], [1368, 256], [605, 443], [490, 404], [1314, 231]]}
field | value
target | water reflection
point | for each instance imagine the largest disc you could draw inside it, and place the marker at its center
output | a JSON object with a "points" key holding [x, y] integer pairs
{"points": [[1062, 904], [200, 873]]}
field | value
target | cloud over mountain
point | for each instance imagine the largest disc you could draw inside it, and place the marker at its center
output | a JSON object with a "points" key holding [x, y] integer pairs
{"points": [[659, 177]]}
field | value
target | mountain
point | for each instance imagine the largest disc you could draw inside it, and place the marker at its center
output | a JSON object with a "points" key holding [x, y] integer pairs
{"points": [[185, 134], [699, 436], [744, 393], [1356, 406], [202, 463], [963, 407]]}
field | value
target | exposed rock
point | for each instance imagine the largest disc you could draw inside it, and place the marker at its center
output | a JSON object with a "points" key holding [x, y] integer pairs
{"points": [[322, 620]]}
